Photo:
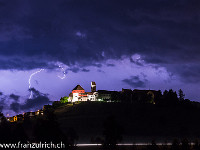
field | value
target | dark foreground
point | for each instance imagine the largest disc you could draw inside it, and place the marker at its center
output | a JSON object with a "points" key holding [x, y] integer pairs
{"points": [[139, 123], [100, 122]]}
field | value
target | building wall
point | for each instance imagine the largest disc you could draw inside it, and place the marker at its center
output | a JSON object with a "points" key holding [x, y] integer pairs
{"points": [[95, 95], [85, 98], [103, 96], [70, 99], [75, 97], [91, 97]]}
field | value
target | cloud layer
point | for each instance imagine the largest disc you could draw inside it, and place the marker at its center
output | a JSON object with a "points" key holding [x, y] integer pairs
{"points": [[35, 33], [37, 102], [135, 82]]}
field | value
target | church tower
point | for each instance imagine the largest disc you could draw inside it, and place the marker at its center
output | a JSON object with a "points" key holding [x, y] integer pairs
{"points": [[93, 86]]}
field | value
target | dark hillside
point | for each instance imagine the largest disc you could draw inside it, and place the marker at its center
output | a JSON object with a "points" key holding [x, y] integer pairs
{"points": [[145, 120]]}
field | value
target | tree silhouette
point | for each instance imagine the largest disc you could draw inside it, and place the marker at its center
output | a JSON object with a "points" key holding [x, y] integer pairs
{"points": [[181, 95], [158, 97], [170, 98]]}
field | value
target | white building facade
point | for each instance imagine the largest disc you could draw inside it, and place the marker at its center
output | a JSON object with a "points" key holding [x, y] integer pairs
{"points": [[79, 94]]}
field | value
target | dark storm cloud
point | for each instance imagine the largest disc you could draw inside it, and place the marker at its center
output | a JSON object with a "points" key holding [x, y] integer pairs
{"points": [[85, 70], [77, 69], [2, 103], [1, 93], [188, 72], [135, 81], [74, 69], [97, 65], [14, 97], [110, 65], [15, 106], [37, 102], [24, 63], [1, 108], [34, 33]]}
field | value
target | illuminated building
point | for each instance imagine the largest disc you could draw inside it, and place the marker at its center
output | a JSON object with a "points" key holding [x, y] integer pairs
{"points": [[79, 94]]}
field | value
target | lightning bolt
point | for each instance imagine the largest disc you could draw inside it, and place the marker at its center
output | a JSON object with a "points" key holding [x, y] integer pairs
{"points": [[29, 81], [64, 73]]}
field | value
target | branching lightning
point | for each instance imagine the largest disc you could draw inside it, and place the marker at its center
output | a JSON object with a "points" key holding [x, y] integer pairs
{"points": [[31, 94], [29, 81], [64, 73]]}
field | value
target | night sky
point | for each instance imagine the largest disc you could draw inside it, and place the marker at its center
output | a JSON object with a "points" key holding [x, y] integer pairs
{"points": [[133, 44]]}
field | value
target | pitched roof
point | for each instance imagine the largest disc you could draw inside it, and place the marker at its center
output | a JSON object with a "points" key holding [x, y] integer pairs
{"points": [[78, 87]]}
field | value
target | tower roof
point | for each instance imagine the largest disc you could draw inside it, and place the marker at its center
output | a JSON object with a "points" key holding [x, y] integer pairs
{"points": [[78, 87], [93, 83]]}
